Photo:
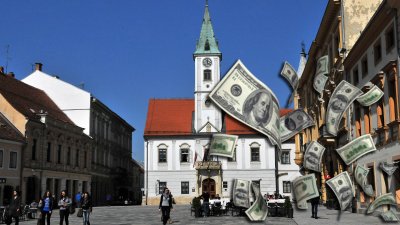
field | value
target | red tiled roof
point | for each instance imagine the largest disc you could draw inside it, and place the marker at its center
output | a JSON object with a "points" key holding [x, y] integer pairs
{"points": [[234, 126], [8, 131], [174, 117], [169, 117], [29, 100]]}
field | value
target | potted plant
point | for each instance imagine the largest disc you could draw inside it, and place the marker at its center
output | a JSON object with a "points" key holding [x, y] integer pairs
{"points": [[196, 204], [288, 207]]}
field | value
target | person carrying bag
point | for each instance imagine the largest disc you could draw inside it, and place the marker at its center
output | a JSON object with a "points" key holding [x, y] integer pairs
{"points": [[86, 207]]}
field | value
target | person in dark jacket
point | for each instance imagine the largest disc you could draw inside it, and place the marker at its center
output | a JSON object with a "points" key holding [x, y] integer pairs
{"points": [[86, 204], [46, 206], [15, 207], [165, 205], [206, 203], [314, 206]]}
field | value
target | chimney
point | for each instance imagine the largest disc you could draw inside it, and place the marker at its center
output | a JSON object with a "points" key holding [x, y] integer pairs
{"points": [[1, 69], [11, 74], [38, 66]]}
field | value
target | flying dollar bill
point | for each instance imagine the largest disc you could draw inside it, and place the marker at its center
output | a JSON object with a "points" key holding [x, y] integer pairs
{"points": [[241, 193], [258, 211], [343, 95], [323, 65], [223, 145], [342, 186], [290, 74], [305, 188], [361, 174], [356, 148], [372, 96], [388, 168], [385, 199], [320, 74], [389, 216], [245, 98], [294, 122], [313, 156]]}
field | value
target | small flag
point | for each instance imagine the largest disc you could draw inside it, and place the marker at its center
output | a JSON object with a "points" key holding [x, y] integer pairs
{"points": [[195, 158]]}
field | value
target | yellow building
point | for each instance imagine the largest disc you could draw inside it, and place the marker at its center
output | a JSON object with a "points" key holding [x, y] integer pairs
{"points": [[374, 59], [341, 25]]}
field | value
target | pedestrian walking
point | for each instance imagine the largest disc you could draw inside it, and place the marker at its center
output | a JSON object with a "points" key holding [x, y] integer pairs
{"points": [[64, 204], [86, 204], [15, 207], [46, 205], [314, 206], [165, 205]]}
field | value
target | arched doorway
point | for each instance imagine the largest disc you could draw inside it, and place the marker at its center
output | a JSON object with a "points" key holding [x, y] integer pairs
{"points": [[208, 185]]}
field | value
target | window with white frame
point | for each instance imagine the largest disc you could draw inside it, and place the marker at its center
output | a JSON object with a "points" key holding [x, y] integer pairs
{"points": [[285, 157], [185, 187], [286, 186], [255, 152], [225, 184], [184, 153], [162, 153], [13, 160]]}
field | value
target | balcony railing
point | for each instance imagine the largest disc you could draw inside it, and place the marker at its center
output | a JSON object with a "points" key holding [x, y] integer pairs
{"points": [[207, 165]]}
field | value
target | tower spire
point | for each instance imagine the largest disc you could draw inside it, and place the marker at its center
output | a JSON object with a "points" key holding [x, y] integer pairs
{"points": [[207, 43]]}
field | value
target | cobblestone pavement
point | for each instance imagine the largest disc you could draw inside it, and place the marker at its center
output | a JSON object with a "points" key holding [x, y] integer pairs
{"points": [[137, 215]]}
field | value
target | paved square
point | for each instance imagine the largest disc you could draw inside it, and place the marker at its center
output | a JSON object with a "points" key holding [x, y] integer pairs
{"points": [[137, 215]]}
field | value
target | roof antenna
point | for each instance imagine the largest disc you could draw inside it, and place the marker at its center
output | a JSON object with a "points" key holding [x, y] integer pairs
{"points": [[7, 56], [206, 2]]}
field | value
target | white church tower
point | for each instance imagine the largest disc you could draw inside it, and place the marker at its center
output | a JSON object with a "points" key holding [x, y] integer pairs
{"points": [[207, 58]]}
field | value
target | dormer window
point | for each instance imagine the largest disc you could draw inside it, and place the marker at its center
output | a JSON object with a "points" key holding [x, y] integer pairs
{"points": [[207, 75]]}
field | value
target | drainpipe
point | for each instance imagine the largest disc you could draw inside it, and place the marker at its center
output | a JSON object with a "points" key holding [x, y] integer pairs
{"points": [[276, 170], [147, 170]]}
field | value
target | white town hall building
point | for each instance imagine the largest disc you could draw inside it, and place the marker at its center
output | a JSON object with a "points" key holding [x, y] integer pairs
{"points": [[179, 131]]}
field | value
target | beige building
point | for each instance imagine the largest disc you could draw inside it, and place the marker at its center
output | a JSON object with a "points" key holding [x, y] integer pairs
{"points": [[112, 168], [57, 153], [11, 147], [374, 59], [341, 25]]}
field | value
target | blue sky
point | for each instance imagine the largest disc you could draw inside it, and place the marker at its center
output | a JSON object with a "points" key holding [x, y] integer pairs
{"points": [[129, 51]]}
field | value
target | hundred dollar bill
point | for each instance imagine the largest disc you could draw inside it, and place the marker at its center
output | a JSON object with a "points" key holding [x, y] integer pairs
{"points": [[386, 199], [361, 179], [323, 65], [290, 74], [294, 122], [320, 74], [356, 148], [305, 188], [371, 96], [342, 186], [388, 168], [241, 193], [313, 156], [343, 95], [259, 210], [319, 82], [223, 145], [245, 98], [389, 216]]}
